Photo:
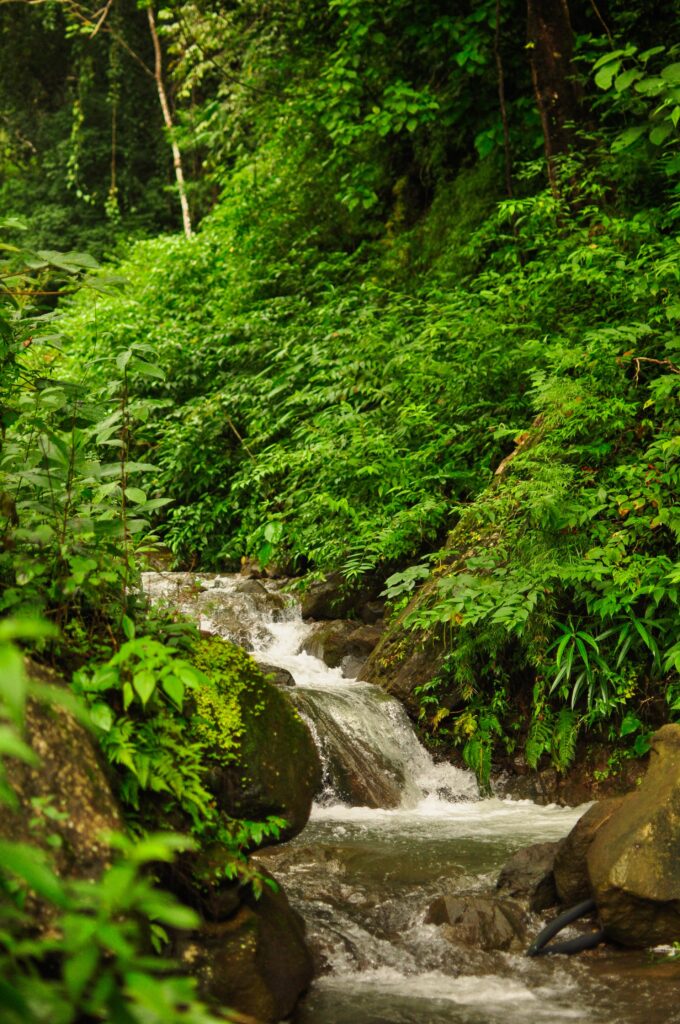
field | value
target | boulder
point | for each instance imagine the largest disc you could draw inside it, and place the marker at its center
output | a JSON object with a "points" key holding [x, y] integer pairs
{"points": [[571, 870], [276, 675], [326, 599], [528, 876], [256, 961], [67, 795], [634, 862], [403, 660], [482, 922], [263, 598], [261, 755], [340, 643]]}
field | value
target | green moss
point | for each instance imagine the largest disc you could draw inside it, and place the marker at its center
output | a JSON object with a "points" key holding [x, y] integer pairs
{"points": [[235, 683]]}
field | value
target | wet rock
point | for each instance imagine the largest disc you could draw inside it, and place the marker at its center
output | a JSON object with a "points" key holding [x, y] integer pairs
{"points": [[633, 860], [371, 612], [479, 921], [571, 870], [340, 643], [326, 599], [356, 771], [256, 961], [263, 759], [589, 778], [264, 599], [401, 661], [528, 876], [276, 675], [70, 780]]}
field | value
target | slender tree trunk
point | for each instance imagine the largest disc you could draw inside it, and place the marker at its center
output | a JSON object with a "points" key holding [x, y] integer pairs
{"points": [[167, 117], [558, 97], [501, 101]]}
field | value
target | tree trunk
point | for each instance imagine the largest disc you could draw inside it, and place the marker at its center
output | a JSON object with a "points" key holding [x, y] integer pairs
{"points": [[558, 97], [167, 117]]}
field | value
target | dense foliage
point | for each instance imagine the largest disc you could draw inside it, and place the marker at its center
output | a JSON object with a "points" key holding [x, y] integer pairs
{"points": [[426, 332]]}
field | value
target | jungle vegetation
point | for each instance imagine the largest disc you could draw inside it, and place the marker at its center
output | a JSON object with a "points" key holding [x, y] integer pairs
{"points": [[326, 284]]}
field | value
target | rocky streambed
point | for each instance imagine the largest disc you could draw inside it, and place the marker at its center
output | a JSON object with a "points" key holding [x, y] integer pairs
{"points": [[395, 874]]}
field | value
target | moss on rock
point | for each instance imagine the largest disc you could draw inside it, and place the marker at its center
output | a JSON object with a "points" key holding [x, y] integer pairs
{"points": [[263, 760]]}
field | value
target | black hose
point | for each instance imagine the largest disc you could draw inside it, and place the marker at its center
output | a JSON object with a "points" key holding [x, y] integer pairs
{"points": [[539, 946]]}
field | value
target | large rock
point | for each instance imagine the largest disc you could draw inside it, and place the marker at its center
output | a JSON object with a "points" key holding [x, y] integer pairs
{"points": [[634, 860], [263, 760], [334, 598], [276, 675], [528, 876], [571, 869], [256, 961], [480, 921], [327, 599], [67, 795], [341, 643]]}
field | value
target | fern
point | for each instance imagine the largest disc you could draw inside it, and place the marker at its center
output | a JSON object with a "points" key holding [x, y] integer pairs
{"points": [[539, 740], [564, 739]]}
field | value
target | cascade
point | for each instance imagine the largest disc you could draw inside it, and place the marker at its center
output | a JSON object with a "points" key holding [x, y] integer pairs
{"points": [[390, 831]]}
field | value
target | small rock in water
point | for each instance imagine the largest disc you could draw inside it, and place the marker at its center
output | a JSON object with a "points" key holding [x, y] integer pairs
{"points": [[529, 875], [480, 921]]}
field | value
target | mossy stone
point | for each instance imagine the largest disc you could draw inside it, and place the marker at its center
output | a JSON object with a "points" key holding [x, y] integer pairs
{"points": [[263, 760]]}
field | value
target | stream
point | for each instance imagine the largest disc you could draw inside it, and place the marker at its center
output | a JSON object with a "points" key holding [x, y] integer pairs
{"points": [[364, 876]]}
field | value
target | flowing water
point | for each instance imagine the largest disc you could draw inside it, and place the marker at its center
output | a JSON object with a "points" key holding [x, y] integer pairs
{"points": [[389, 833]]}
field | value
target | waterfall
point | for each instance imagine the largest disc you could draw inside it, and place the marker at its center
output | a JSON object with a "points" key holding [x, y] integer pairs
{"points": [[369, 751]]}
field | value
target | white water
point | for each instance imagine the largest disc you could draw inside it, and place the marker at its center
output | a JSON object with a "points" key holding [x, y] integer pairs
{"points": [[364, 876]]}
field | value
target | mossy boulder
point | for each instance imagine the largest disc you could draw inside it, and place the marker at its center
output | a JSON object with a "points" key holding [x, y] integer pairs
{"points": [[263, 760], [64, 801], [256, 961]]}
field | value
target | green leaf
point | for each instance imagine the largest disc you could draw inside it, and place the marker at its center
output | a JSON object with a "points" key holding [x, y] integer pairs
{"points": [[630, 724], [123, 358], [13, 681], [12, 746], [128, 695], [660, 133], [27, 863], [174, 688], [671, 74], [605, 76], [135, 494], [144, 683], [628, 138], [101, 716], [79, 969], [128, 627]]}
